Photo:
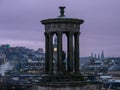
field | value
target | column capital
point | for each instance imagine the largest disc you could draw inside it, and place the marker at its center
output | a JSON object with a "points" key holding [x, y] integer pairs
{"points": [[59, 33], [48, 33], [70, 33]]}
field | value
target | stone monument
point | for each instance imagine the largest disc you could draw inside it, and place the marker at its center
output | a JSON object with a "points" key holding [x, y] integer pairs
{"points": [[59, 26], [68, 73]]}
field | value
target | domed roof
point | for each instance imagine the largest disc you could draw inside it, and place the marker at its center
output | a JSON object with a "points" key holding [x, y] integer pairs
{"points": [[115, 67], [99, 61], [62, 18]]}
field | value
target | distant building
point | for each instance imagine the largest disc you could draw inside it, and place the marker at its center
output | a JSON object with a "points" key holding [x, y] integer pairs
{"points": [[5, 46], [98, 62], [114, 70], [93, 66], [55, 55], [98, 56], [40, 50], [33, 66], [91, 55], [2, 58]]}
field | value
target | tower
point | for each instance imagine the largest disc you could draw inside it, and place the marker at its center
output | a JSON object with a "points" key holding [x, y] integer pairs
{"points": [[102, 55], [91, 55], [59, 26], [98, 56]]}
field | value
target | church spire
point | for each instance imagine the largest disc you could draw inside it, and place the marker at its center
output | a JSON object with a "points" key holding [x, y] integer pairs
{"points": [[98, 56], [102, 55], [91, 55]]}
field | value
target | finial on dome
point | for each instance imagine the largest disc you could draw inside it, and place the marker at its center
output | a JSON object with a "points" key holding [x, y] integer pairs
{"points": [[62, 11]]}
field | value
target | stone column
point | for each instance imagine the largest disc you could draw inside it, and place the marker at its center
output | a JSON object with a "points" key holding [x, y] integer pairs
{"points": [[46, 53], [70, 52], [50, 51], [76, 56], [59, 54]]}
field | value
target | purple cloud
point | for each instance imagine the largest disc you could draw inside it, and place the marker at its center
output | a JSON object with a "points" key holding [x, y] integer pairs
{"points": [[20, 22]]}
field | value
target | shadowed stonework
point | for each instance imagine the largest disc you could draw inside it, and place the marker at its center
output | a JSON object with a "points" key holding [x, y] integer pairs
{"points": [[69, 74], [59, 26]]}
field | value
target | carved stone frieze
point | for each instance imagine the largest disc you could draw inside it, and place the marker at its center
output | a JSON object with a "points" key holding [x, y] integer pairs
{"points": [[65, 27]]}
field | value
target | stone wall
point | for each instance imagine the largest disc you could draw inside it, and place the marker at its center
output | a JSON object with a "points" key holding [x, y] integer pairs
{"points": [[87, 87]]}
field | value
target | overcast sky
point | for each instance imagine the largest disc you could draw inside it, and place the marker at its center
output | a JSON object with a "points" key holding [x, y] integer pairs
{"points": [[20, 23]]}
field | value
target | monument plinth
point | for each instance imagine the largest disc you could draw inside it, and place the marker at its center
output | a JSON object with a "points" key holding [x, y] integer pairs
{"points": [[71, 28]]}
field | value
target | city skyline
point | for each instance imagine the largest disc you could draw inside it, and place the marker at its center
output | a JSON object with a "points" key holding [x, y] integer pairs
{"points": [[20, 23]]}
